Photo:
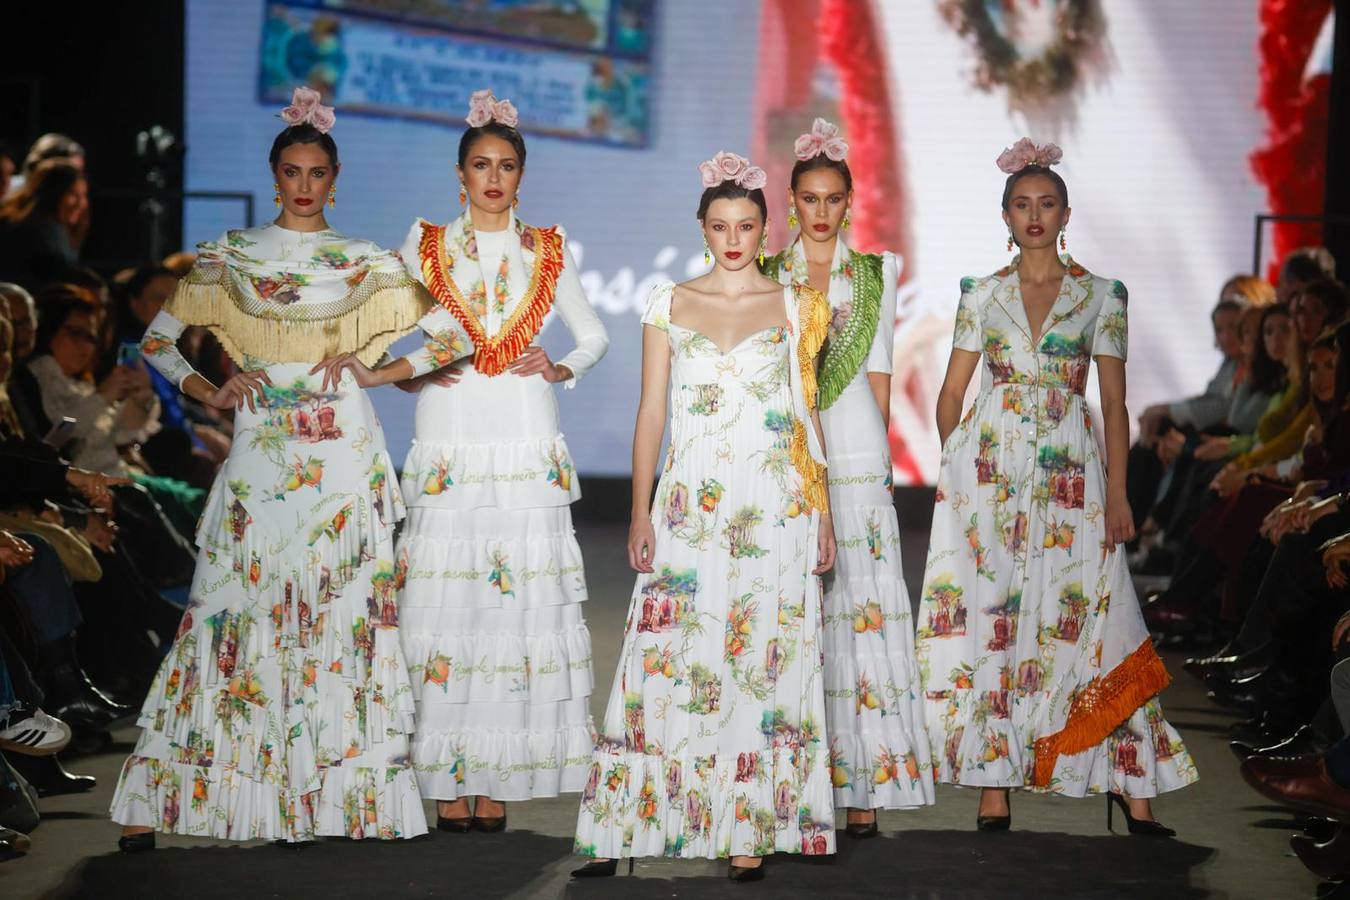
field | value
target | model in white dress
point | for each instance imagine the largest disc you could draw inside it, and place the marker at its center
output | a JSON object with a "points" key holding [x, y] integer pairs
{"points": [[713, 743], [492, 575], [284, 709], [879, 754], [1038, 671]]}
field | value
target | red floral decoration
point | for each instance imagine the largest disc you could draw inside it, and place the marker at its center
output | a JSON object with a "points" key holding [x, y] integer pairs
{"points": [[1292, 162]]}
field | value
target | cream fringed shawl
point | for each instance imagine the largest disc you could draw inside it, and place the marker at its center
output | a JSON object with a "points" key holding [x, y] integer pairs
{"points": [[273, 295]]}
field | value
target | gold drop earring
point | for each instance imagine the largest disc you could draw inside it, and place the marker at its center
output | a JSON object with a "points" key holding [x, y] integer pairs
{"points": [[1063, 244], [463, 197], [792, 217], [332, 196], [276, 198], [707, 255], [763, 242], [847, 222], [1010, 240]]}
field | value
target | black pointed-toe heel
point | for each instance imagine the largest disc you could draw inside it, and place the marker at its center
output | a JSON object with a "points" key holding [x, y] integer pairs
{"points": [[862, 830], [136, 843], [597, 869], [993, 823], [1140, 827], [488, 826], [743, 874], [462, 825]]}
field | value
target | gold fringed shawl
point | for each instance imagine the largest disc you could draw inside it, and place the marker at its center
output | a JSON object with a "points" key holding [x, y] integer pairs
{"points": [[377, 307], [494, 353], [1100, 707], [813, 320]]}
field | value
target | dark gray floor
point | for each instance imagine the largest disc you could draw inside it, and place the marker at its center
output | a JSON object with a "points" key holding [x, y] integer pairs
{"points": [[1231, 844]]}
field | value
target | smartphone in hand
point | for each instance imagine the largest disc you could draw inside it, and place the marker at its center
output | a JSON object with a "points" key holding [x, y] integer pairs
{"points": [[128, 353], [60, 433]]}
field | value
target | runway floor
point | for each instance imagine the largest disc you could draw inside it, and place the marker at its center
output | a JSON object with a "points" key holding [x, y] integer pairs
{"points": [[1231, 843]]}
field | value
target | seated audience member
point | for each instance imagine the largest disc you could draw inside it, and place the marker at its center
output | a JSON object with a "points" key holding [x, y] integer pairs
{"points": [[39, 225]]}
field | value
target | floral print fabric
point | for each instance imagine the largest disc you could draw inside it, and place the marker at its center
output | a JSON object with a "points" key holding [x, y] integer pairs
{"points": [[714, 739], [1024, 603], [284, 710], [492, 579], [879, 750]]}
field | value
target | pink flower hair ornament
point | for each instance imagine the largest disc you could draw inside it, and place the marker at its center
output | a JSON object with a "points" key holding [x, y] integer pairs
{"points": [[731, 167], [822, 138], [485, 108], [305, 109], [1027, 153]]}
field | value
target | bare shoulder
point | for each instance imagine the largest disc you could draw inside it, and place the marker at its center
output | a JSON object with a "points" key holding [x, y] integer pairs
{"points": [[697, 285]]}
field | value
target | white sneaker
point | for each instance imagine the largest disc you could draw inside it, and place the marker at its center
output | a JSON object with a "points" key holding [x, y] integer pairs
{"points": [[35, 734]]}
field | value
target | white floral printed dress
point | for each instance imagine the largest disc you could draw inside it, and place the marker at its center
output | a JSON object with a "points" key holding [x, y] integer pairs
{"points": [[492, 576], [714, 742], [284, 708], [1038, 671], [879, 751]]}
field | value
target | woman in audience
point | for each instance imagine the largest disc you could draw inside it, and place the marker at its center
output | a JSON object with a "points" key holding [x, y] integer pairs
{"points": [[39, 225]]}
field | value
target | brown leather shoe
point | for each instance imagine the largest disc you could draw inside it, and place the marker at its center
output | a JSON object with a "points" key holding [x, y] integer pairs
{"points": [[1300, 782]]}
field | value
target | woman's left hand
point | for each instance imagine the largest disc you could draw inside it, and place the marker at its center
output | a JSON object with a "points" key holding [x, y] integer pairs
{"points": [[825, 546], [1119, 521], [534, 361], [334, 366]]}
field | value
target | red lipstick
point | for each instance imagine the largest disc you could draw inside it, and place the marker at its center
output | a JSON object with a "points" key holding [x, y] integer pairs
{"points": [[733, 254], [302, 201], [821, 226]]}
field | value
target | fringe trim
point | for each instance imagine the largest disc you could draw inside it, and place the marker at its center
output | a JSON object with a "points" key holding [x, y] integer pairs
{"points": [[814, 481], [813, 314], [378, 311], [846, 352], [1100, 707], [494, 353], [813, 317]]}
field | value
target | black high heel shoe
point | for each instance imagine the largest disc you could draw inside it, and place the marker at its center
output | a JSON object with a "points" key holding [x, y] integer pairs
{"points": [[1143, 827], [136, 843], [862, 830], [488, 826], [743, 874], [995, 823], [597, 869], [456, 824]]}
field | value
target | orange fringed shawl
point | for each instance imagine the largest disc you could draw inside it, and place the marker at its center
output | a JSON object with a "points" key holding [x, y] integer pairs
{"points": [[1100, 707], [494, 353]]}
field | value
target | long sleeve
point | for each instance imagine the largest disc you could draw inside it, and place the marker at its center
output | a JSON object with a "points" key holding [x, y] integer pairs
{"points": [[22, 477], [446, 341], [1274, 416], [1246, 408], [1285, 443], [95, 420], [1329, 456], [881, 357], [1210, 407], [580, 318], [159, 346]]}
